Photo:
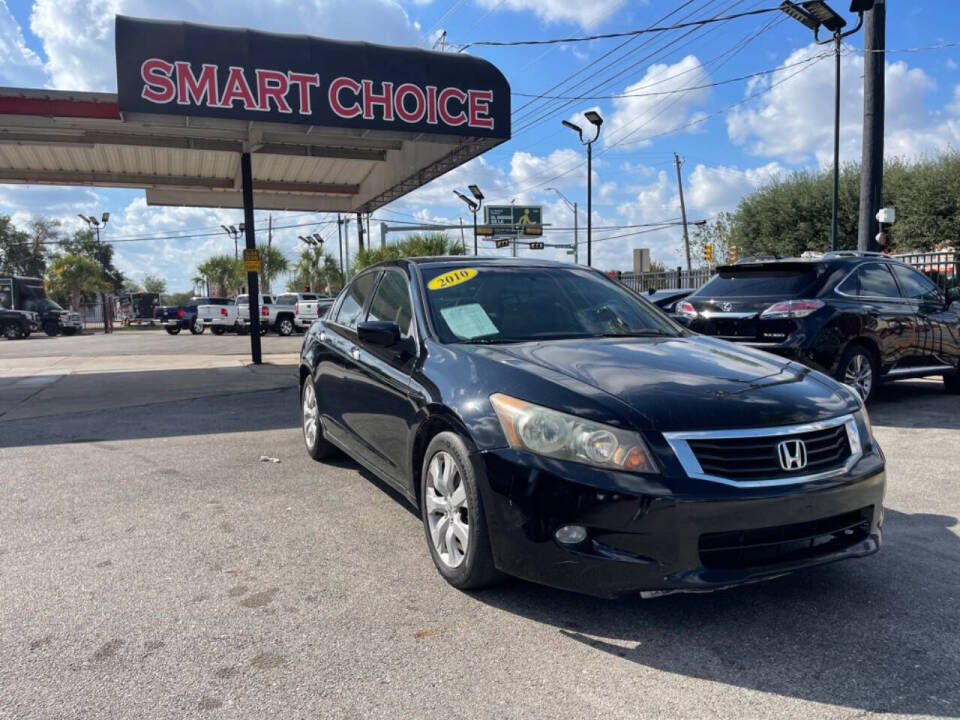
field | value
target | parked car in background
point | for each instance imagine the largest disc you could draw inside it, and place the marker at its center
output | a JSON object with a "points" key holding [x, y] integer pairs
{"points": [[551, 424], [306, 312], [267, 313], [175, 318], [18, 324], [27, 293], [219, 318], [286, 317], [863, 318], [137, 308], [668, 299]]}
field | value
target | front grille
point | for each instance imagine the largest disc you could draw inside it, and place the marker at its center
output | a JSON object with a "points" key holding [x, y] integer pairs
{"points": [[758, 547], [757, 458]]}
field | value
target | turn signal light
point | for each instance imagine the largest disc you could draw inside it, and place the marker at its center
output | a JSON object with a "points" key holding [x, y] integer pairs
{"points": [[791, 309], [179, 312]]}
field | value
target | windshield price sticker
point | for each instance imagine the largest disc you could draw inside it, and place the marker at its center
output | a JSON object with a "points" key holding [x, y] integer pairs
{"points": [[454, 277], [469, 321]]}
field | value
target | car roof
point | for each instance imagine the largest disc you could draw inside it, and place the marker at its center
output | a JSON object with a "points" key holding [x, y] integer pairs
{"points": [[841, 258], [476, 260]]}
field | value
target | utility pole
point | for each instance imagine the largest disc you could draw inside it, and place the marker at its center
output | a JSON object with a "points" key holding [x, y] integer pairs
{"points": [[343, 277], [683, 212], [360, 230], [871, 166]]}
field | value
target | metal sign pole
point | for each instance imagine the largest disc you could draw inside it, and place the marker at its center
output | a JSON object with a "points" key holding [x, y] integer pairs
{"points": [[253, 281]]}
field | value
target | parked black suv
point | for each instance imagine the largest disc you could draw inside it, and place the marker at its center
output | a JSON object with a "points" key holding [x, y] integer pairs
{"points": [[863, 318]]}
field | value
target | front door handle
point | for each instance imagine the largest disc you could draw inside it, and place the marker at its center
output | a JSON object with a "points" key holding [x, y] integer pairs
{"points": [[355, 352]]}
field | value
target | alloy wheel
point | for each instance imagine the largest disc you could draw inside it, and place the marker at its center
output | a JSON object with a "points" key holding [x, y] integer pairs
{"points": [[11, 332], [447, 510], [311, 417], [859, 375], [286, 327]]}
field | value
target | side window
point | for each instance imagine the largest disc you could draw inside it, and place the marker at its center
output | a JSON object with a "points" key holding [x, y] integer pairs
{"points": [[287, 299], [915, 286], [392, 303], [352, 305], [870, 281]]}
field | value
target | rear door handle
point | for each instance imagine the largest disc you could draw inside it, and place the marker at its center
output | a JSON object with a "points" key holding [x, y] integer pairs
{"points": [[355, 352]]}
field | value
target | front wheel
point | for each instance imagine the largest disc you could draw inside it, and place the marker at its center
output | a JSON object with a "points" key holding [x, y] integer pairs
{"points": [[197, 328], [951, 382], [172, 329], [858, 369], [453, 517], [12, 331], [51, 328], [317, 446], [68, 331]]}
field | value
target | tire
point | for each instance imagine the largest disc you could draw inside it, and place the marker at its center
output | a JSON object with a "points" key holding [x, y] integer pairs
{"points": [[172, 329], [858, 369], [51, 328], [196, 327], [285, 327], [317, 447], [217, 330], [12, 331], [68, 331], [453, 511], [951, 382]]}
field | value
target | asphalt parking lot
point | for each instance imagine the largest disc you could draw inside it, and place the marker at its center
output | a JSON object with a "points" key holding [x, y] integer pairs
{"points": [[153, 566]]}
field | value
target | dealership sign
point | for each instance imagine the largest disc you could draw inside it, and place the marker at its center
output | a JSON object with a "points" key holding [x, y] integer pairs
{"points": [[185, 69]]}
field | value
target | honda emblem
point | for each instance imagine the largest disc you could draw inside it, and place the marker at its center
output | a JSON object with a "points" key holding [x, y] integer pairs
{"points": [[792, 454]]}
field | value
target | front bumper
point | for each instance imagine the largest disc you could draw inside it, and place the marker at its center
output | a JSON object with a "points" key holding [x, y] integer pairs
{"points": [[72, 320], [670, 534]]}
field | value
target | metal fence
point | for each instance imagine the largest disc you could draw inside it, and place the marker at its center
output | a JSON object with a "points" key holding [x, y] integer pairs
{"points": [[666, 279], [943, 267]]}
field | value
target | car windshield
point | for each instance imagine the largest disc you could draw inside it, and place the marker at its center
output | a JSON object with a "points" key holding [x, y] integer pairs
{"points": [[752, 282], [504, 304], [35, 299]]}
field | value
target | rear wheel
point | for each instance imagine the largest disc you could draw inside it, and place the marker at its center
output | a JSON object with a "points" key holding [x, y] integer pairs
{"points": [[317, 447], [858, 369], [453, 517], [217, 330], [196, 327], [51, 328], [12, 331], [285, 326], [264, 330], [172, 329], [951, 382]]}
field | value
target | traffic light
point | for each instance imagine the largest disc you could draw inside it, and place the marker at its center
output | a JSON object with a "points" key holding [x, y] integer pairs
{"points": [[708, 252], [733, 254], [536, 246], [502, 243]]}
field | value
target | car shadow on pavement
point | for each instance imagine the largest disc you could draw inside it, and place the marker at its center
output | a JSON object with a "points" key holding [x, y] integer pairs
{"points": [[877, 635], [915, 404]]}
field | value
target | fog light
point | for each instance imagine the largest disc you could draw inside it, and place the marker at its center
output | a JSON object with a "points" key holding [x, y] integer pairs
{"points": [[571, 534]]}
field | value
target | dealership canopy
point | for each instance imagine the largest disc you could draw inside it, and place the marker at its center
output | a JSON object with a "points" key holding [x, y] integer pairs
{"points": [[330, 125]]}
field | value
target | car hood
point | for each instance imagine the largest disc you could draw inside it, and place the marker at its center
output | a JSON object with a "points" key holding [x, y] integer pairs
{"points": [[684, 383]]}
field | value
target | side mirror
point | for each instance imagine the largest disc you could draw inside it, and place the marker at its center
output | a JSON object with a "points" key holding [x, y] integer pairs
{"points": [[379, 332]]}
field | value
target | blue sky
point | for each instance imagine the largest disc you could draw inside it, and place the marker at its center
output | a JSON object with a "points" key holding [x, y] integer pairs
{"points": [[733, 137]]}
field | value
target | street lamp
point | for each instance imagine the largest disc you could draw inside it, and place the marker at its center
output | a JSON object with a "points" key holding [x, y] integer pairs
{"points": [[92, 222], [235, 234], [594, 118], [815, 14], [572, 206], [474, 208]]}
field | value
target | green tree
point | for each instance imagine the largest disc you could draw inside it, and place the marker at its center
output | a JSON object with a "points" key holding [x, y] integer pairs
{"points": [[84, 242], [25, 252], [222, 274], [317, 270], [717, 233], [273, 263], [72, 276], [416, 245], [154, 284]]}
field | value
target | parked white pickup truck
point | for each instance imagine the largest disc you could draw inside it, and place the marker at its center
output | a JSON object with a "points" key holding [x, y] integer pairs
{"points": [[219, 318], [268, 313], [287, 310], [306, 312]]}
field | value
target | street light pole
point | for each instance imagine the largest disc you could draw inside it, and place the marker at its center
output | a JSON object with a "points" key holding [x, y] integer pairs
{"points": [[95, 224], [576, 239], [836, 145], [594, 118]]}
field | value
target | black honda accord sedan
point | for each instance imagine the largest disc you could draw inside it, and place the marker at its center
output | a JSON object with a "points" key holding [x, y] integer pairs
{"points": [[553, 425]]}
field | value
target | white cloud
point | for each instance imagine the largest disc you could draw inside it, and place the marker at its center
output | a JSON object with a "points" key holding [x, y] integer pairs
{"points": [[794, 120], [646, 114], [710, 190], [527, 169], [77, 35], [587, 13], [19, 65]]}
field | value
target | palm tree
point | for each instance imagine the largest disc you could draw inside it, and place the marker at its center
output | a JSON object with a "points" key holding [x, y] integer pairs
{"points": [[416, 245], [272, 263], [72, 276], [317, 270], [222, 273]]}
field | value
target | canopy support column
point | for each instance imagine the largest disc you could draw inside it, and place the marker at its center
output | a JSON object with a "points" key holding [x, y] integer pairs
{"points": [[253, 281]]}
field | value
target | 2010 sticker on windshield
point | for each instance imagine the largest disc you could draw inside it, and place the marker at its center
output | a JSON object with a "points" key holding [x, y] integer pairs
{"points": [[449, 279]]}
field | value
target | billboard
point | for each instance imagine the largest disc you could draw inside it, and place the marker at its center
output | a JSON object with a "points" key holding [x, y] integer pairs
{"points": [[513, 215], [178, 68]]}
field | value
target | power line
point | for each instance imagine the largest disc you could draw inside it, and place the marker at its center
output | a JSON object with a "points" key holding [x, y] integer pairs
{"points": [[629, 33]]}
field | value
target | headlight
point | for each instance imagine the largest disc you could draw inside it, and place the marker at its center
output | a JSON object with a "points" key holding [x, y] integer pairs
{"points": [[558, 435], [863, 420]]}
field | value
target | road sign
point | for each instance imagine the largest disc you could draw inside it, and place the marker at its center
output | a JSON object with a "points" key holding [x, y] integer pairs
{"points": [[536, 246], [513, 215], [251, 261]]}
